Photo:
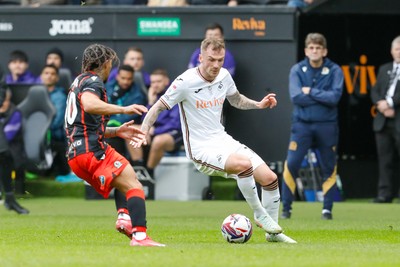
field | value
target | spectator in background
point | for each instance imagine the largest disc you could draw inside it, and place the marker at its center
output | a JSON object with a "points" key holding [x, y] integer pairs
{"points": [[134, 58], [3, 87], [11, 150], [19, 73], [169, 3], [123, 91], [214, 30], [56, 57], [166, 133], [212, 2], [299, 3], [85, 2], [386, 96], [124, 2], [3, 92], [315, 88], [18, 65], [38, 3], [49, 78]]}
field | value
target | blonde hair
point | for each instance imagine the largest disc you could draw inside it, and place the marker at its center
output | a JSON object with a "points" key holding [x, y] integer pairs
{"points": [[216, 44]]}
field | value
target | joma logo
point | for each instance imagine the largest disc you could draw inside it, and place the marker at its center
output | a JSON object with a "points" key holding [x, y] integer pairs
{"points": [[6, 26], [71, 26]]}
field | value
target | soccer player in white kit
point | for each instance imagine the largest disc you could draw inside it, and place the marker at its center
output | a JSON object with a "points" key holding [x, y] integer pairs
{"points": [[200, 93]]}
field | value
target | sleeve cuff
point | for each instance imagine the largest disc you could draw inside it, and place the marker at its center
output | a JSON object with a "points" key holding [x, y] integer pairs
{"points": [[390, 101]]}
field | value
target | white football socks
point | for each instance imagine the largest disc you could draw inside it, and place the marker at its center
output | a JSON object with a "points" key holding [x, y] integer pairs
{"points": [[271, 201], [140, 235], [248, 188]]}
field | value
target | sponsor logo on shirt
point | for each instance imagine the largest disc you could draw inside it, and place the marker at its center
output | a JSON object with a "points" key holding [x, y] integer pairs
{"points": [[74, 144], [200, 104], [102, 180]]}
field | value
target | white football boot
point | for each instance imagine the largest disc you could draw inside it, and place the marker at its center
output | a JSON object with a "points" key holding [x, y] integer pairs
{"points": [[268, 224], [279, 238]]}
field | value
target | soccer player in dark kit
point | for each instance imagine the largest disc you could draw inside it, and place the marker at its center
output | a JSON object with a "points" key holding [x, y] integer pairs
{"points": [[89, 156]]}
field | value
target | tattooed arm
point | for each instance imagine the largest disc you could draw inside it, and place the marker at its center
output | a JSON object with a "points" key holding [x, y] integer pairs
{"points": [[148, 122], [240, 101]]}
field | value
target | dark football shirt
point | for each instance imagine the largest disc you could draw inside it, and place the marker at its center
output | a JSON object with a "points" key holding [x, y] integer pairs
{"points": [[85, 132]]}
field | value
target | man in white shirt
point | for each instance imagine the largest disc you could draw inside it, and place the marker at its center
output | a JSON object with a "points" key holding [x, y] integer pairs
{"points": [[200, 93]]}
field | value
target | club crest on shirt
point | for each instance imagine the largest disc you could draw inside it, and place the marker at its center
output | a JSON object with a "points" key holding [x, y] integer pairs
{"points": [[293, 146], [220, 86], [117, 164], [304, 69], [325, 71]]}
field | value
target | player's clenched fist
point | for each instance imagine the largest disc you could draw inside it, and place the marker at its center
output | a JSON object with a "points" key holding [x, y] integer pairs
{"points": [[268, 101]]}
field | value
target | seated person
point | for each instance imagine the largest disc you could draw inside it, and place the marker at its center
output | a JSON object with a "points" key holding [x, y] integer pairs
{"points": [[209, 2], [124, 2], [56, 57], [214, 30], [166, 133], [124, 91], [11, 150], [134, 58], [167, 3], [18, 65], [299, 3], [58, 142], [38, 3]]}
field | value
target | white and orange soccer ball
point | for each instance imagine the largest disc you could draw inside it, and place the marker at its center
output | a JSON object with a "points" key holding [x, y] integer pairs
{"points": [[236, 228]]}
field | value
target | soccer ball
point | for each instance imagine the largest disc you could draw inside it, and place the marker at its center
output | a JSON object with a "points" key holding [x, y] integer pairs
{"points": [[236, 228]]}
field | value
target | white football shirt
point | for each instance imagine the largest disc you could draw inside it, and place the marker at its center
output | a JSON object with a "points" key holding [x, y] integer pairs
{"points": [[200, 105]]}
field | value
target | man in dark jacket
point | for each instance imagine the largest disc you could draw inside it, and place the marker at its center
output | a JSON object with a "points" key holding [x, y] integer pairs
{"points": [[315, 87], [123, 91], [386, 96]]}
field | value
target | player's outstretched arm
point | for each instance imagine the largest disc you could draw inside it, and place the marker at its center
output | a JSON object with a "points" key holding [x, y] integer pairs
{"points": [[148, 122], [240, 101], [128, 131], [94, 105]]}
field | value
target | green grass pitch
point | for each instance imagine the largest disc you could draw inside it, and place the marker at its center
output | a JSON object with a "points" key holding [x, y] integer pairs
{"points": [[77, 232]]}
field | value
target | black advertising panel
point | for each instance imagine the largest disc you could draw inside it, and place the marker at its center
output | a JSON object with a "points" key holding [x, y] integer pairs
{"points": [[56, 26], [191, 26], [143, 23]]}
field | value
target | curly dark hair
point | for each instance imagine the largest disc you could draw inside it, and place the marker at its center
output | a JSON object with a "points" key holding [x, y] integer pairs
{"points": [[95, 55]]}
